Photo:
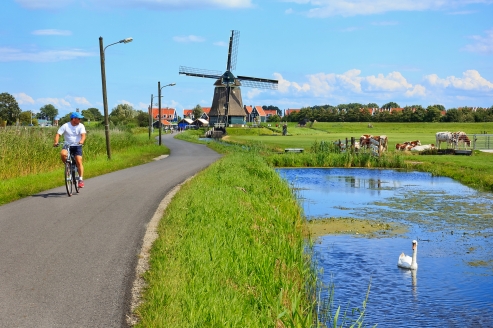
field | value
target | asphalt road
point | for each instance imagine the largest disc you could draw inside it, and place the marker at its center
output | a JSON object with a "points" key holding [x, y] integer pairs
{"points": [[70, 262]]}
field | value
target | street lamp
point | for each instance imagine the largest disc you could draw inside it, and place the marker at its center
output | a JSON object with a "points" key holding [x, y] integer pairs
{"points": [[150, 115], [105, 101], [159, 87]]}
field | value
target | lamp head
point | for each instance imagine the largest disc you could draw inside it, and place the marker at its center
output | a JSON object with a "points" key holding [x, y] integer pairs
{"points": [[127, 40]]}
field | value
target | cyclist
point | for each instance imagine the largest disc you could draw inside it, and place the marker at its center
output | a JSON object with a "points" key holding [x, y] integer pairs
{"points": [[73, 132]]}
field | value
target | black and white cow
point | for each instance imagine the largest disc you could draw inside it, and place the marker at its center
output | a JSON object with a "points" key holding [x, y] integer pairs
{"points": [[447, 137]]}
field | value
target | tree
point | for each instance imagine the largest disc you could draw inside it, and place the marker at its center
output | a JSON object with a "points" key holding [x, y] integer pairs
{"points": [[9, 108], [95, 114], [122, 114], [433, 113], [197, 112], [274, 118], [372, 105], [391, 105], [142, 118], [25, 117], [48, 111]]}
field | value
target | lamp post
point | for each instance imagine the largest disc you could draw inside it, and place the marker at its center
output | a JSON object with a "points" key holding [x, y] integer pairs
{"points": [[103, 80], [150, 116], [159, 87]]}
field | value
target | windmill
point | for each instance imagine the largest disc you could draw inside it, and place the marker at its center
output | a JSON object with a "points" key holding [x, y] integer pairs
{"points": [[227, 104]]}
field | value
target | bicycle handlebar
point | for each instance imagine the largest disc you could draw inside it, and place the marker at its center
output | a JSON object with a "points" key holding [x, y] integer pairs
{"points": [[66, 144]]}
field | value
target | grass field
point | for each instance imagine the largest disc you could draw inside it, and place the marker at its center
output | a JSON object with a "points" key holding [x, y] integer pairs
{"points": [[304, 137]]}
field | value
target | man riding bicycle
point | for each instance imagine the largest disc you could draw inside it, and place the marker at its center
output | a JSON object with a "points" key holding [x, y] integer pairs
{"points": [[74, 133]]}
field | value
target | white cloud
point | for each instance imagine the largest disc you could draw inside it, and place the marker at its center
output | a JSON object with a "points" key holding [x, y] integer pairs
{"points": [[285, 86], [57, 102], [12, 54], [23, 98], [327, 8], [252, 93], [351, 84], [482, 44], [79, 100], [52, 32], [189, 38], [471, 80]]}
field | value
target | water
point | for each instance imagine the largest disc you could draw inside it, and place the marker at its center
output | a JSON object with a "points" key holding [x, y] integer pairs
{"points": [[453, 286]]}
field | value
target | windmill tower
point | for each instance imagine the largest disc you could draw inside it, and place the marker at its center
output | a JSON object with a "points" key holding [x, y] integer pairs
{"points": [[227, 104]]}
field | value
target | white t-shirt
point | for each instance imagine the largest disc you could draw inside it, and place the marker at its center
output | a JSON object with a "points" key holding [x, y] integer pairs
{"points": [[72, 134]]}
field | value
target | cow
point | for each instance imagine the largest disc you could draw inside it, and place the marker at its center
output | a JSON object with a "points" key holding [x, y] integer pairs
{"points": [[383, 141], [364, 140], [421, 148], [461, 138], [444, 137]]}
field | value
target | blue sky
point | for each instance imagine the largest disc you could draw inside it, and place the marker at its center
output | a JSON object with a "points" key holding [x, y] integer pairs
{"points": [[412, 52]]}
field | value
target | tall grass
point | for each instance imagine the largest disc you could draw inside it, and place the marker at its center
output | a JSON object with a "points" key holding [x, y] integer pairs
{"points": [[230, 253], [25, 151], [29, 164]]}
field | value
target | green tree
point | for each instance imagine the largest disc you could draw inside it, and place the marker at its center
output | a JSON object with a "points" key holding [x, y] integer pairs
{"points": [[142, 118], [49, 112], [274, 118], [122, 114], [25, 117], [64, 119], [391, 105], [433, 113], [9, 108], [452, 115], [95, 114], [372, 105], [197, 112]]}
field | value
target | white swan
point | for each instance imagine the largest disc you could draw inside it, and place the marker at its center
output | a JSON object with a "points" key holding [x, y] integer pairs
{"points": [[408, 262]]}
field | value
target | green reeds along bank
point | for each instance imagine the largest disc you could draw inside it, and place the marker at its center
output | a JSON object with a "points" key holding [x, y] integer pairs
{"points": [[230, 253], [29, 163]]}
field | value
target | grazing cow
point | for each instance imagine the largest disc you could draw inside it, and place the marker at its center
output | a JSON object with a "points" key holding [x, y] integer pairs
{"points": [[444, 137], [383, 141], [461, 138], [364, 140]]}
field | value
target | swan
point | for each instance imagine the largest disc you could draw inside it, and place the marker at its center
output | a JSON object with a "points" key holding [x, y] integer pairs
{"points": [[408, 262]]}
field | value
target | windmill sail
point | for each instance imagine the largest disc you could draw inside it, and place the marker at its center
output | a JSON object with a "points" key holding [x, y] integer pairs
{"points": [[227, 104]]}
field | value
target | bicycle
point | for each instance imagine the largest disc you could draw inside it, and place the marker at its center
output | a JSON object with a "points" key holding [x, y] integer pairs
{"points": [[71, 174]]}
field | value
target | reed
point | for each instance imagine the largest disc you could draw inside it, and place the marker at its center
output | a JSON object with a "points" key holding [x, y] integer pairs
{"points": [[26, 151], [230, 252]]}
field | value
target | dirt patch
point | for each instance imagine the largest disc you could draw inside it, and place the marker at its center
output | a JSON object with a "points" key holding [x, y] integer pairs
{"points": [[352, 226]]}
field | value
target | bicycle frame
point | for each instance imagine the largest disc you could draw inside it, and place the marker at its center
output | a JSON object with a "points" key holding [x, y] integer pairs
{"points": [[70, 173]]}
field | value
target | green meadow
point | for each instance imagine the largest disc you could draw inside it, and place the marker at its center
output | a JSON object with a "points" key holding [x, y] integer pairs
{"points": [[475, 171]]}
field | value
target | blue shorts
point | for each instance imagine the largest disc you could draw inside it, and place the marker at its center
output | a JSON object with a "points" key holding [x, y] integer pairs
{"points": [[76, 150]]}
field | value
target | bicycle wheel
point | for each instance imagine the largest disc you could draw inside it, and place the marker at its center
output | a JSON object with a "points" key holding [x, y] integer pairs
{"points": [[68, 178], [75, 177]]}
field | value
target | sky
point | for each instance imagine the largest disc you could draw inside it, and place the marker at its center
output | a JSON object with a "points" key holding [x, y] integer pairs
{"points": [[322, 52]]}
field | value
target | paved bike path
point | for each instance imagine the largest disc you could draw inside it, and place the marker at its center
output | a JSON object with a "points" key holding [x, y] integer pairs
{"points": [[70, 261]]}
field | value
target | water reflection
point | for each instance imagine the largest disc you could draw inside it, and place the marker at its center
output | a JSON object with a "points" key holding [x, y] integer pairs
{"points": [[454, 225]]}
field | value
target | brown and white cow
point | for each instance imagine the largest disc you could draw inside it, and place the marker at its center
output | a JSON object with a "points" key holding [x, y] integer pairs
{"points": [[461, 138]]}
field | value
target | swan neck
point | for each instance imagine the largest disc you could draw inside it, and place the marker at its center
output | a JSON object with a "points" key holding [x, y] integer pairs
{"points": [[415, 255]]}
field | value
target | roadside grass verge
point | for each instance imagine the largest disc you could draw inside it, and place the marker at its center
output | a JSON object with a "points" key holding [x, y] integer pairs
{"points": [[38, 167], [230, 252]]}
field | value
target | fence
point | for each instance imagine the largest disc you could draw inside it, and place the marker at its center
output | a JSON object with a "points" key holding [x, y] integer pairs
{"points": [[483, 142]]}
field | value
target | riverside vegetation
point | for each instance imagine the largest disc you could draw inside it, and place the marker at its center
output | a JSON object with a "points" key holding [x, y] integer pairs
{"points": [[29, 163]]}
